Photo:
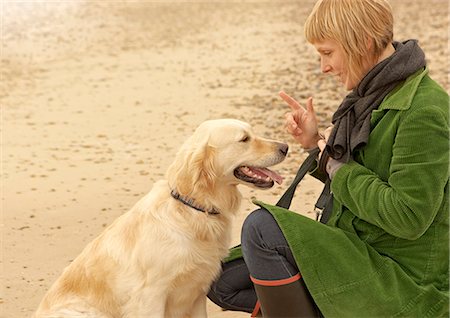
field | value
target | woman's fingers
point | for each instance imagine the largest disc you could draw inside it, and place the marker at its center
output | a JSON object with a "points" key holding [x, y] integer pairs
{"points": [[321, 143], [293, 104], [309, 106], [301, 123], [291, 125], [327, 132]]}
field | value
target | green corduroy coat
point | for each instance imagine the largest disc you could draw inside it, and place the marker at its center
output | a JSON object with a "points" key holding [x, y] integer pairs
{"points": [[385, 249]]}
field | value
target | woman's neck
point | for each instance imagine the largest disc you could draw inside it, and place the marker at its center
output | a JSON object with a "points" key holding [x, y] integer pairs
{"points": [[388, 51]]}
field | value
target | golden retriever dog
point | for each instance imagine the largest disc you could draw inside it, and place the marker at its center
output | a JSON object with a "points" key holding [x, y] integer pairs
{"points": [[159, 258]]}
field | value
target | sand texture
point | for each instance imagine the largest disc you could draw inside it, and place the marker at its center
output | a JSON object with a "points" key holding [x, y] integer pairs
{"points": [[97, 96]]}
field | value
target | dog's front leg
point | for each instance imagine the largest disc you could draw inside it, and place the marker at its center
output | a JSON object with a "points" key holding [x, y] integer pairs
{"points": [[157, 311], [149, 303], [199, 308]]}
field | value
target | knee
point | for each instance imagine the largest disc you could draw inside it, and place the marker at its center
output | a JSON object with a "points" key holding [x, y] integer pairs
{"points": [[228, 291], [219, 292], [228, 299], [253, 226]]}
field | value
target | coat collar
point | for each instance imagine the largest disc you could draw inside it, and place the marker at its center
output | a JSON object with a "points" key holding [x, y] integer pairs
{"points": [[401, 97]]}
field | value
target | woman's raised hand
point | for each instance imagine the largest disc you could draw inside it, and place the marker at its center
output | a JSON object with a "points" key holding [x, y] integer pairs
{"points": [[301, 123]]}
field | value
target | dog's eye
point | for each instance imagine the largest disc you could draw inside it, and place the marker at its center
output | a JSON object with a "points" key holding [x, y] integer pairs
{"points": [[245, 139]]}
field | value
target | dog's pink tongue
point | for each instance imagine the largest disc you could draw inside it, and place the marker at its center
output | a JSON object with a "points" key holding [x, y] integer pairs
{"points": [[272, 175]]}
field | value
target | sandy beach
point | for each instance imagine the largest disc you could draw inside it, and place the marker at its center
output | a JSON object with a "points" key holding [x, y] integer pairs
{"points": [[97, 96]]}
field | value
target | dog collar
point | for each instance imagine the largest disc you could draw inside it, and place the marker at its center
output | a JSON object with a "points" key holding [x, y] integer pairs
{"points": [[191, 203]]}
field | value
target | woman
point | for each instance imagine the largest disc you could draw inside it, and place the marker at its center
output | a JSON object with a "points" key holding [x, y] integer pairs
{"points": [[384, 249]]}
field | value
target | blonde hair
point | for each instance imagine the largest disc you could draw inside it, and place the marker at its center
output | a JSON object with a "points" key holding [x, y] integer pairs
{"points": [[352, 23]]}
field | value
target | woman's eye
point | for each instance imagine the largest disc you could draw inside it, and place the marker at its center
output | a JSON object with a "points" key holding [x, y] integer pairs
{"points": [[245, 139]]}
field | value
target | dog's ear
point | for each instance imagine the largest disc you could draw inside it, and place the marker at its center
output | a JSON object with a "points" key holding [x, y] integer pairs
{"points": [[193, 169], [203, 168]]}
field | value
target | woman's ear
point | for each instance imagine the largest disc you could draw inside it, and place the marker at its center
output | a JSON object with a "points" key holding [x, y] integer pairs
{"points": [[369, 44]]}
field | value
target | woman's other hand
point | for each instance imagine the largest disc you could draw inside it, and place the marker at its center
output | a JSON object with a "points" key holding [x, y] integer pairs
{"points": [[332, 164], [301, 123]]}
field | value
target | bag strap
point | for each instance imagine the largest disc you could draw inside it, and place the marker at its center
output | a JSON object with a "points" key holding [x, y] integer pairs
{"points": [[324, 204], [286, 198]]}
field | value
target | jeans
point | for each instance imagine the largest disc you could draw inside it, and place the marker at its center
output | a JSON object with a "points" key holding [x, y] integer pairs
{"points": [[267, 256], [266, 251]]}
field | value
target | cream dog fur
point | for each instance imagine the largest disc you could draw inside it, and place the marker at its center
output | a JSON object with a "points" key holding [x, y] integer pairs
{"points": [[159, 258]]}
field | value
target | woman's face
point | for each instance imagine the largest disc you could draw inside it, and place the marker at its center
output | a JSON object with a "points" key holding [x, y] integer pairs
{"points": [[334, 62]]}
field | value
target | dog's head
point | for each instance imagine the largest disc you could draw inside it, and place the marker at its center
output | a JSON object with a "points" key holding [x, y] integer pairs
{"points": [[225, 152]]}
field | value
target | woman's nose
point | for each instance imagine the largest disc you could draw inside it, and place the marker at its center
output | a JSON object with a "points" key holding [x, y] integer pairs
{"points": [[325, 68]]}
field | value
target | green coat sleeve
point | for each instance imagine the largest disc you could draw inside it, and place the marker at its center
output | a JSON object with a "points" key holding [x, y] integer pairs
{"points": [[407, 203]]}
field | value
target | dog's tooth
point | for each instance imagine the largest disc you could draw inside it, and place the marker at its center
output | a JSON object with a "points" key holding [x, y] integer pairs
{"points": [[267, 179]]}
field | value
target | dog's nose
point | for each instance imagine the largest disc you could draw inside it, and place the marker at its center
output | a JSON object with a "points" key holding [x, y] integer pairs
{"points": [[283, 149]]}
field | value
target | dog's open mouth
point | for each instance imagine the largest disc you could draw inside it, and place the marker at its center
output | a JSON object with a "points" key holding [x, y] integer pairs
{"points": [[260, 177]]}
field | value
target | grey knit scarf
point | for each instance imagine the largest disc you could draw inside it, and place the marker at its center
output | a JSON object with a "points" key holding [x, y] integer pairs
{"points": [[352, 118]]}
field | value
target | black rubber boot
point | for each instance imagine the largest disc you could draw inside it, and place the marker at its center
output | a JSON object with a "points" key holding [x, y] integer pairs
{"points": [[284, 298]]}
